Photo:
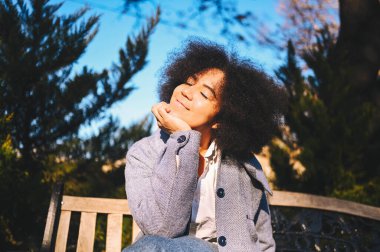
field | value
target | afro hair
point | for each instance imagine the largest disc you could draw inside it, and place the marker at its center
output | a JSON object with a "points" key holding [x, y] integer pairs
{"points": [[252, 104]]}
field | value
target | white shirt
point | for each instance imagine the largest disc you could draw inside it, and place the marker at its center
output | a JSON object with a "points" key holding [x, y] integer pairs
{"points": [[202, 223]]}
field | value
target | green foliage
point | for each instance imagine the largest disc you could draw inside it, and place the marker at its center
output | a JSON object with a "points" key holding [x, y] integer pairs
{"points": [[96, 166], [49, 103], [286, 176], [17, 208], [43, 104], [331, 129], [367, 193], [7, 156]]}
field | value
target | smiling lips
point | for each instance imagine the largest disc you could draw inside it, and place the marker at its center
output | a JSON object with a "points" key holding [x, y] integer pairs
{"points": [[178, 103]]}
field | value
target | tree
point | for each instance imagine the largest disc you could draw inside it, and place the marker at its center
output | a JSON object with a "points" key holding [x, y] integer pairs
{"points": [[7, 157], [224, 17], [303, 20], [49, 103], [95, 166], [38, 49], [334, 112]]}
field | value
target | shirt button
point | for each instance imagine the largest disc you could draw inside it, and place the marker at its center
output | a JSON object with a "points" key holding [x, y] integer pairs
{"points": [[220, 192], [181, 139], [222, 241]]}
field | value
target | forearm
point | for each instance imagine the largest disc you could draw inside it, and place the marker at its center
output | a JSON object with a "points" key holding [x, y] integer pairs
{"points": [[160, 193]]}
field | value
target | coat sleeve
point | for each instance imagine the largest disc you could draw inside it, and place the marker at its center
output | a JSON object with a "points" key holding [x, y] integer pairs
{"points": [[160, 189], [264, 226]]}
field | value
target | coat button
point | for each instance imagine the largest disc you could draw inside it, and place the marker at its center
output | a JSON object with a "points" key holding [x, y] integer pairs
{"points": [[254, 237], [181, 139], [222, 241], [220, 192]]}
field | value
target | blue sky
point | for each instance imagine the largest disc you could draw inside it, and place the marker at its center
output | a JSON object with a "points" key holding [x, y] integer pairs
{"points": [[115, 27]]}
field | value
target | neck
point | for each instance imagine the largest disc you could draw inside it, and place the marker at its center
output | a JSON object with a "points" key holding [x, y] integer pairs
{"points": [[205, 141]]}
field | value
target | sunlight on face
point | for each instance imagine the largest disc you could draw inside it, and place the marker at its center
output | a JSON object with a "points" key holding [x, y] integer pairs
{"points": [[197, 101]]}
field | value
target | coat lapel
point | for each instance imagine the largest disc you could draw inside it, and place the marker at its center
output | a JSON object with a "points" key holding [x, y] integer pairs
{"points": [[255, 170]]}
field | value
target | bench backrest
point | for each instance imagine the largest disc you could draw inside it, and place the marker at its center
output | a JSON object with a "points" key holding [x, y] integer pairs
{"points": [[89, 208], [62, 207], [60, 212]]}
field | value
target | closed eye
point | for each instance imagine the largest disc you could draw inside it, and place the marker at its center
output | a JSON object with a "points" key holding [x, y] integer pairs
{"points": [[204, 95]]}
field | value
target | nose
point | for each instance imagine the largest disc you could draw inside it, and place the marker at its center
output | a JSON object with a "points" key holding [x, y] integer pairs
{"points": [[187, 92]]}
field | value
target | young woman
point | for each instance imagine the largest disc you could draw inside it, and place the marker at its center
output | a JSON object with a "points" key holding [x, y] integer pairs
{"points": [[195, 185]]}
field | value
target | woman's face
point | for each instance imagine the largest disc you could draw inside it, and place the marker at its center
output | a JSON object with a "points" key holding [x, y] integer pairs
{"points": [[197, 101]]}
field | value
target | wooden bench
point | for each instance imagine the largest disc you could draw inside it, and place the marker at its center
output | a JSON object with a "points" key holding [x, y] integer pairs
{"points": [[60, 212], [62, 206]]}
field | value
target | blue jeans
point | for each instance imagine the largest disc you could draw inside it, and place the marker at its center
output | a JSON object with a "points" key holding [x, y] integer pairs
{"points": [[154, 243]]}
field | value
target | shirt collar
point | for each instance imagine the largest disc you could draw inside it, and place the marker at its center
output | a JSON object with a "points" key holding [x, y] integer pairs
{"points": [[211, 151]]}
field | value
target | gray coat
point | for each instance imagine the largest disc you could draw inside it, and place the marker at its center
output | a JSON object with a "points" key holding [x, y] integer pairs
{"points": [[160, 189]]}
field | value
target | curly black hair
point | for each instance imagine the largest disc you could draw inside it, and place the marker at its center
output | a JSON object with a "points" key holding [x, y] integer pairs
{"points": [[252, 104]]}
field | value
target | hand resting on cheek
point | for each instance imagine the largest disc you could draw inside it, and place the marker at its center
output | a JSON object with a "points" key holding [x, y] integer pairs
{"points": [[168, 121]]}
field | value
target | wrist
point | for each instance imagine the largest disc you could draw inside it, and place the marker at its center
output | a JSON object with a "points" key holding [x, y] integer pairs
{"points": [[185, 128]]}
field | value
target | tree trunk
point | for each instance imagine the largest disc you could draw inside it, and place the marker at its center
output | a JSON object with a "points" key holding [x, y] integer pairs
{"points": [[358, 44]]}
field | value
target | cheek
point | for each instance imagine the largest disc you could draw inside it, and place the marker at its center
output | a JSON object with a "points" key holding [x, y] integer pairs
{"points": [[176, 91], [173, 94], [206, 110]]}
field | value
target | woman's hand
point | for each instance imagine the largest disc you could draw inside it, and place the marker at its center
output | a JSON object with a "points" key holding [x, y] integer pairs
{"points": [[167, 121]]}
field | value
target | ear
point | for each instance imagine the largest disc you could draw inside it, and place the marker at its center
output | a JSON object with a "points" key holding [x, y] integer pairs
{"points": [[215, 126]]}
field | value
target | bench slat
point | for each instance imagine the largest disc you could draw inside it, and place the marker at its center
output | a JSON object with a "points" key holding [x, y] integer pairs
{"points": [[114, 232], [135, 231], [63, 231], [86, 232], [293, 199], [98, 205]]}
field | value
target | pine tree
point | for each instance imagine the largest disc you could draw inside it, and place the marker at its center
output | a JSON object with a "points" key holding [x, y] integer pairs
{"points": [[37, 53], [331, 129], [331, 142], [95, 166], [46, 104]]}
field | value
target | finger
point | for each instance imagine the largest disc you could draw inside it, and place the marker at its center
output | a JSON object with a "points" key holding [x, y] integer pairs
{"points": [[155, 112], [159, 105], [159, 120], [164, 106], [167, 108], [163, 113]]}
